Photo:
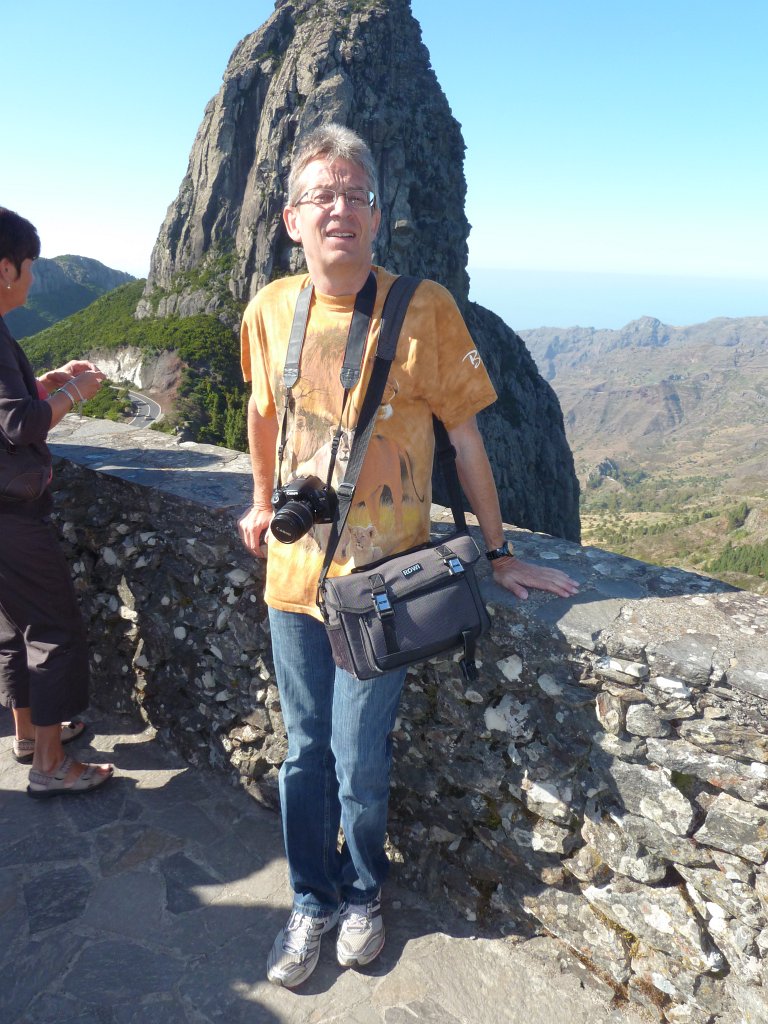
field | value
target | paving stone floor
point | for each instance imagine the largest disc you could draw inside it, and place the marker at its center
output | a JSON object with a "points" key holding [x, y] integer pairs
{"points": [[156, 900]]}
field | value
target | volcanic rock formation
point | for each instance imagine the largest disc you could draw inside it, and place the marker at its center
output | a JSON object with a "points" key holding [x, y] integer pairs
{"points": [[361, 63]]}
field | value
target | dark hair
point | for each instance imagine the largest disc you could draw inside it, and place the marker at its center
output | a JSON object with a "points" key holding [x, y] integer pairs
{"points": [[330, 142], [19, 240]]}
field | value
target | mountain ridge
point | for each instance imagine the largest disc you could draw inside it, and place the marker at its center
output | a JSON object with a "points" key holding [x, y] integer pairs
{"points": [[62, 286], [556, 349]]}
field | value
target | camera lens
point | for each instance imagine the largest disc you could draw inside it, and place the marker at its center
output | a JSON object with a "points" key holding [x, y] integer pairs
{"points": [[293, 520]]}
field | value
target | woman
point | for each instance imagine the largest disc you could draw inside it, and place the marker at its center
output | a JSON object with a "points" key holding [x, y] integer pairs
{"points": [[43, 652]]}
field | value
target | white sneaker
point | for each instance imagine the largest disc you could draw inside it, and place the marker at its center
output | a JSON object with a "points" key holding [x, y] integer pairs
{"points": [[296, 949], [361, 933]]}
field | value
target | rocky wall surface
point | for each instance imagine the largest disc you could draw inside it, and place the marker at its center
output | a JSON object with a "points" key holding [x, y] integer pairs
{"points": [[605, 779]]}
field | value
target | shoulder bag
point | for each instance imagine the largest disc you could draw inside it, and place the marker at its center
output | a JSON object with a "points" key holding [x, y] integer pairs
{"points": [[422, 602]]}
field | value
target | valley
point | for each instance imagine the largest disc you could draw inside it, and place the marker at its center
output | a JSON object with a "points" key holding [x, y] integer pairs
{"points": [[669, 431]]}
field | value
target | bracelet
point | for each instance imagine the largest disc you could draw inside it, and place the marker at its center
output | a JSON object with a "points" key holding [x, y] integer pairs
{"points": [[66, 392], [77, 389]]}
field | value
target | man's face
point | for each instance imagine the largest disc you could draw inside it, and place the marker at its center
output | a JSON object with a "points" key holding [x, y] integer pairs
{"points": [[337, 240]]}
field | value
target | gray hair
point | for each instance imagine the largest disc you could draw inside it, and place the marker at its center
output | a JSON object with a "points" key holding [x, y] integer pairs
{"points": [[331, 142]]}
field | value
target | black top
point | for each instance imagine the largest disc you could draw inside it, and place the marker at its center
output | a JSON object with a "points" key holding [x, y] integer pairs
{"points": [[24, 417]]}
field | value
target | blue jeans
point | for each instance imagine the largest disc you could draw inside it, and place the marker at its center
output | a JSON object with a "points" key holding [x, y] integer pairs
{"points": [[337, 768]]}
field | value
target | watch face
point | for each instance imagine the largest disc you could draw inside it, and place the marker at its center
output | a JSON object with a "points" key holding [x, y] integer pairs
{"points": [[498, 552]]}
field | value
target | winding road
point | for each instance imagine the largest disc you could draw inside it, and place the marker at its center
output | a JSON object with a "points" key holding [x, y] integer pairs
{"points": [[146, 411]]}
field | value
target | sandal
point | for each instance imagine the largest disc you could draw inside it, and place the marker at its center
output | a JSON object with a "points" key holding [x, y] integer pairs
{"points": [[24, 750], [45, 784]]}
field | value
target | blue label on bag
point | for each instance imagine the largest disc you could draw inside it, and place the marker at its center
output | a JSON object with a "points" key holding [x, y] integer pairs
{"points": [[416, 567]]}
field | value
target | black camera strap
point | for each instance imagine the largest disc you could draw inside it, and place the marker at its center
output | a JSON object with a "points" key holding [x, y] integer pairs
{"points": [[393, 314], [350, 369]]}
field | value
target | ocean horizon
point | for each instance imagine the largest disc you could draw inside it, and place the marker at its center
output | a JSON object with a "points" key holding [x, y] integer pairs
{"points": [[526, 299]]}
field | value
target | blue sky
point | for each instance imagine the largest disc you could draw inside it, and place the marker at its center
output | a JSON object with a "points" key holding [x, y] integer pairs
{"points": [[616, 151]]}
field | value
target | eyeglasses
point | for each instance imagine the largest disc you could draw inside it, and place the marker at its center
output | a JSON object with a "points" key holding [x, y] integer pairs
{"points": [[357, 198]]}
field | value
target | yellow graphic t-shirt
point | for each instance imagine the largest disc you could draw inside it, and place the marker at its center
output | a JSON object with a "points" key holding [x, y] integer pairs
{"points": [[436, 370]]}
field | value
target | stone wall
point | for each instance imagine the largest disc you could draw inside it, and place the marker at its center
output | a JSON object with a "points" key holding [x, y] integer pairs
{"points": [[606, 780]]}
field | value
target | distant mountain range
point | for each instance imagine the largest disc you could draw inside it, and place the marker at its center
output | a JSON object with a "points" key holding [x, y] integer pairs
{"points": [[666, 398], [62, 286]]}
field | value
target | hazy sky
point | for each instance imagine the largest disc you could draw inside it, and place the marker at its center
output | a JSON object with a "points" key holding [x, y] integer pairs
{"points": [[617, 154]]}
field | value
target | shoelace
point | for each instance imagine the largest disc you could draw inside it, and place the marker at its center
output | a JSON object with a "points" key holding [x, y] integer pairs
{"points": [[297, 933], [356, 918]]}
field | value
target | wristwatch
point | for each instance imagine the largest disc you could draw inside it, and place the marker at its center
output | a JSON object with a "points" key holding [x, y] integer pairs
{"points": [[502, 552]]}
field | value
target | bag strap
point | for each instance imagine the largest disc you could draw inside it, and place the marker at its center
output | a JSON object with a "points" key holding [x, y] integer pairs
{"points": [[393, 315], [351, 367]]}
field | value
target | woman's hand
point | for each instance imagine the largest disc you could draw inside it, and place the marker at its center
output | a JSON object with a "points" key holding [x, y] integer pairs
{"points": [[86, 384], [53, 380]]}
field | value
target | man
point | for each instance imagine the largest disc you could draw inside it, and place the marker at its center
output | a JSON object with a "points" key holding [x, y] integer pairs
{"points": [[339, 748]]}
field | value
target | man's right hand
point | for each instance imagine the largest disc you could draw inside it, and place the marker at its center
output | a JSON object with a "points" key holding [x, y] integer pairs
{"points": [[253, 527]]}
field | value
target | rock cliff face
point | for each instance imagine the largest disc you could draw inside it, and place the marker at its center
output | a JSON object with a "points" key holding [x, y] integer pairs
{"points": [[361, 63]]}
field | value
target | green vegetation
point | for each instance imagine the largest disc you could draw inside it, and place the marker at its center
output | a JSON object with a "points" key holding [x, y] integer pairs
{"points": [[620, 533], [680, 521], [737, 516], [211, 399], [109, 403], [751, 559], [640, 492], [41, 311]]}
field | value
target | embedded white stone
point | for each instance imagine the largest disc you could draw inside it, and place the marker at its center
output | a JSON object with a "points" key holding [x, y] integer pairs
{"points": [[180, 632], [549, 685], [542, 792], [672, 686], [494, 720], [509, 716], [511, 667], [636, 669]]}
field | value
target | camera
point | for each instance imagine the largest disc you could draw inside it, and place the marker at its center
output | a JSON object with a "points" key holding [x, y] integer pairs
{"points": [[298, 505]]}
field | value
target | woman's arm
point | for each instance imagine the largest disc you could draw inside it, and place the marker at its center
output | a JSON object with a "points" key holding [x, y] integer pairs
{"points": [[77, 388]]}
